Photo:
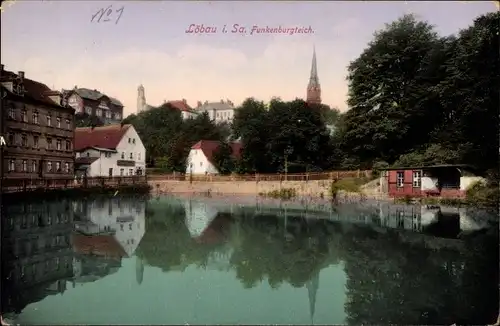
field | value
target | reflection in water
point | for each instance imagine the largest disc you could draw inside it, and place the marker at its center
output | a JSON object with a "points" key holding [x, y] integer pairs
{"points": [[46, 244], [265, 263]]}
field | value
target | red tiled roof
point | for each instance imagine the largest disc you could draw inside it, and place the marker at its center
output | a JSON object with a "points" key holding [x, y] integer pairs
{"points": [[101, 245], [180, 105], [105, 137], [35, 90], [209, 147], [216, 232]]}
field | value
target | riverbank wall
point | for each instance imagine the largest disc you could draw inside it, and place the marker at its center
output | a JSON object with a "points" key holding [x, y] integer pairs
{"points": [[316, 188]]}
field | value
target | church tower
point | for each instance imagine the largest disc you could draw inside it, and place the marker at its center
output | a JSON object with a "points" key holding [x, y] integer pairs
{"points": [[141, 99], [313, 88]]}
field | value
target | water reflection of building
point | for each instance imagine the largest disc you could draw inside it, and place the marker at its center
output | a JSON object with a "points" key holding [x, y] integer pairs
{"points": [[431, 219], [207, 226], [36, 252], [106, 230], [312, 291]]}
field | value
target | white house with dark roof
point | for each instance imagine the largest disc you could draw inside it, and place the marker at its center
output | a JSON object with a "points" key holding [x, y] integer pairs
{"points": [[222, 111], [109, 151]]}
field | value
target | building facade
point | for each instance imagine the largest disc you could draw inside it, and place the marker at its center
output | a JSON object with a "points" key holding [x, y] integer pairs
{"points": [[222, 111], [38, 128], [314, 88], [109, 110], [37, 256], [109, 151]]}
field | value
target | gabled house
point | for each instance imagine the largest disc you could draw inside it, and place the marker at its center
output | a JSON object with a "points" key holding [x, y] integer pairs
{"points": [[109, 110], [186, 111], [201, 156], [446, 180], [109, 151]]}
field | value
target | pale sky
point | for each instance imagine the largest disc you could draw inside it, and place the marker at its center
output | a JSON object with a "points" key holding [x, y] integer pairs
{"points": [[56, 43]]}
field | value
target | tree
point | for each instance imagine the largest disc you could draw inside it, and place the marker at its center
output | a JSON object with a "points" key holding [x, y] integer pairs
{"points": [[223, 159], [291, 132], [388, 92], [85, 120]]}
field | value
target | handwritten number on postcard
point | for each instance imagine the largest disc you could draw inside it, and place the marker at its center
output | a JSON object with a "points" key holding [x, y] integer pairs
{"points": [[106, 14]]}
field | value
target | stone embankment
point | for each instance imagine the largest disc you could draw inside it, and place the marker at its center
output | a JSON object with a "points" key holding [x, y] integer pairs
{"points": [[319, 188]]}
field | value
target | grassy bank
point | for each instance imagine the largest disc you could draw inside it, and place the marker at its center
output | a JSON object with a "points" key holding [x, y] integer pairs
{"points": [[347, 185], [50, 194]]}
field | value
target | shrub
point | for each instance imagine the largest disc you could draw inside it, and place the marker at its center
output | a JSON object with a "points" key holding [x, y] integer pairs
{"points": [[284, 193], [483, 194]]}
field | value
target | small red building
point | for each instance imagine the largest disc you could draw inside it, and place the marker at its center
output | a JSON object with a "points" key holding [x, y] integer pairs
{"points": [[447, 180]]}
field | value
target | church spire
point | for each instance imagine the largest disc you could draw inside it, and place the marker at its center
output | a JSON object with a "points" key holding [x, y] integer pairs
{"points": [[314, 88], [312, 290]]}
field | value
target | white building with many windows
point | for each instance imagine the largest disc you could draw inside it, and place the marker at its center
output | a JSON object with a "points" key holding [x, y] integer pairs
{"points": [[222, 111], [109, 151]]}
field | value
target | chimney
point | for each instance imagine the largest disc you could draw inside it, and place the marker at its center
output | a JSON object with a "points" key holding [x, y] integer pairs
{"points": [[222, 101], [206, 102], [184, 100], [76, 87], [198, 104], [21, 75]]}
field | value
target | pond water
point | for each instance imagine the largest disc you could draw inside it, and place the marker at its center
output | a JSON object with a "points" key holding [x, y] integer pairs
{"points": [[173, 260]]}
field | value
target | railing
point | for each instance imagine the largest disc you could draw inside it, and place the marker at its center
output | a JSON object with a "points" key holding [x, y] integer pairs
{"points": [[263, 177], [21, 185]]}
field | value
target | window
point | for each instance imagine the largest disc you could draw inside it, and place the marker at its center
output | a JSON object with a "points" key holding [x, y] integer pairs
{"points": [[130, 171], [130, 226], [123, 155], [68, 123], [133, 140], [108, 114], [118, 116], [122, 172], [129, 140], [12, 165], [35, 118], [66, 167], [58, 166], [49, 120], [88, 154], [58, 121], [201, 163], [58, 145], [110, 173], [88, 110], [12, 113], [49, 143], [25, 165], [417, 179], [49, 166], [11, 139], [35, 141], [138, 156], [400, 179], [24, 140], [24, 115], [131, 156], [68, 145], [33, 166], [98, 112], [107, 154]]}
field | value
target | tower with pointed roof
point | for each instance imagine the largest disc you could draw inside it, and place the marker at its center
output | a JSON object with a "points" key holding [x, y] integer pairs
{"points": [[314, 88], [141, 99]]}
